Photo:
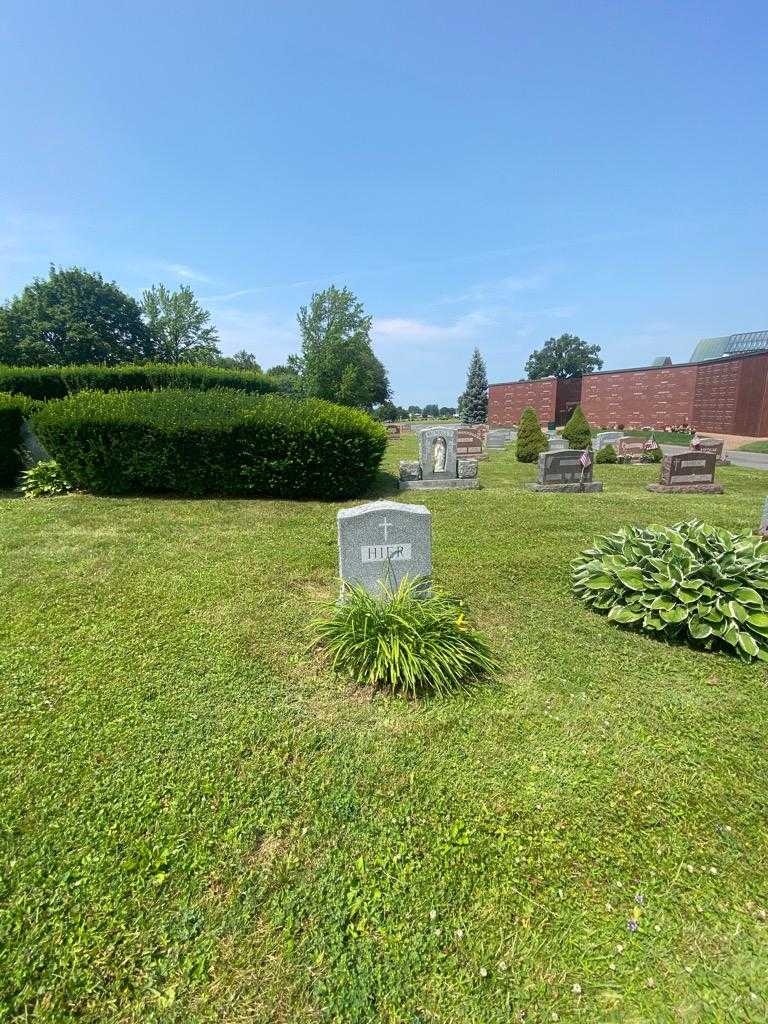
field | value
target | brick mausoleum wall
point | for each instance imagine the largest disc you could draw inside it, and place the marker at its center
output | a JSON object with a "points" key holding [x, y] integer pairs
{"points": [[725, 396], [640, 398], [568, 397], [507, 401]]}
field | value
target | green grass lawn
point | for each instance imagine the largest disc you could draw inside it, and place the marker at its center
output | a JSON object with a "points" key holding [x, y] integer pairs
{"points": [[200, 824], [663, 436], [754, 446]]}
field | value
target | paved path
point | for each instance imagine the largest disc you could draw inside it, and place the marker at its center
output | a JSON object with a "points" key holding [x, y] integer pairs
{"points": [[749, 460]]}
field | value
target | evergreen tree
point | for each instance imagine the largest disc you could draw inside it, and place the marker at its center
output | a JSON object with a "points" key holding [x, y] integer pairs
{"points": [[577, 430], [531, 439], [473, 404]]}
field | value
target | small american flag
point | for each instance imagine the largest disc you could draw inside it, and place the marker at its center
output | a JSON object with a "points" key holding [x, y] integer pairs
{"points": [[650, 445], [585, 458]]}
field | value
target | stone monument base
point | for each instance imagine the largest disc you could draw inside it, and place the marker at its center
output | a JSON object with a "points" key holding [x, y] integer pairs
{"points": [[685, 488], [587, 488], [444, 484]]}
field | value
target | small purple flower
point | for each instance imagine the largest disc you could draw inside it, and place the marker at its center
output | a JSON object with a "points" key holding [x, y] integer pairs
{"points": [[632, 925], [639, 899]]}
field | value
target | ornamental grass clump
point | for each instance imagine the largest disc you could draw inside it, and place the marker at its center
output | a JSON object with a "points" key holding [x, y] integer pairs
{"points": [[690, 582], [404, 642]]}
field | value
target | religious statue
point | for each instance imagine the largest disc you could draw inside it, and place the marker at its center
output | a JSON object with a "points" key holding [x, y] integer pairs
{"points": [[439, 452]]}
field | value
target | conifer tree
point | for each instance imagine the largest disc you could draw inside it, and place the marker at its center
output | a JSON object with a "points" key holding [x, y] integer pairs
{"points": [[531, 439], [577, 430], [473, 404]]}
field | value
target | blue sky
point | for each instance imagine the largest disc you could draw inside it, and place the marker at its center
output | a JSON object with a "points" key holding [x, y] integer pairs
{"points": [[481, 174]]}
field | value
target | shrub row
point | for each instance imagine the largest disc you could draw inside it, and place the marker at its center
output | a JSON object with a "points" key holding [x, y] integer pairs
{"points": [[14, 409], [58, 382], [216, 442]]}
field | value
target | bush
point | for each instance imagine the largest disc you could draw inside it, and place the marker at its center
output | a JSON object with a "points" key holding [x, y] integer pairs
{"points": [[606, 454], [531, 439], [404, 643], [14, 409], [57, 382], [577, 430], [45, 480], [214, 442], [689, 582], [654, 455]]}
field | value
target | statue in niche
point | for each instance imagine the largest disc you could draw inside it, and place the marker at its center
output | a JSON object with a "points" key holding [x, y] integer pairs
{"points": [[439, 450]]}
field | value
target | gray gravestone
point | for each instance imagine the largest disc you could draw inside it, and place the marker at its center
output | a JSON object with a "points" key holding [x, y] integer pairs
{"points": [[439, 463], [606, 437], [564, 471], [689, 471], [764, 519], [557, 443], [31, 450], [383, 541], [437, 453]]}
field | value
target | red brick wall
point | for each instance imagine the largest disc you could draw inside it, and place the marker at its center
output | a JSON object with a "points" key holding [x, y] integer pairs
{"points": [[507, 401], [640, 398]]}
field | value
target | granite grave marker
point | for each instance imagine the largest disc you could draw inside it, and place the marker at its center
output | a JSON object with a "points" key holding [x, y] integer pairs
{"points": [[383, 541], [565, 471], [688, 472]]}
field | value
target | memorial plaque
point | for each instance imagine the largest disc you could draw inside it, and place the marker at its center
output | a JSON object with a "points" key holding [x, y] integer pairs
{"points": [[557, 443], [383, 541]]}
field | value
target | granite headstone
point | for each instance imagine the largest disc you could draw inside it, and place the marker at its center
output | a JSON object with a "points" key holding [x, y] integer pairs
{"points": [[688, 471], [383, 541]]}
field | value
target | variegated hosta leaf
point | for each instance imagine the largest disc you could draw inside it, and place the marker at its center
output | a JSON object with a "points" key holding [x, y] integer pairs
{"points": [[691, 581]]}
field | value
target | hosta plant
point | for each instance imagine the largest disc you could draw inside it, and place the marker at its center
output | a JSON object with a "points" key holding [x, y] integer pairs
{"points": [[45, 480], [404, 642], [690, 582]]}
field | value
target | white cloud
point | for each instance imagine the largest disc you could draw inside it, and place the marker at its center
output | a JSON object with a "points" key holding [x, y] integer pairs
{"points": [[500, 289], [270, 339], [186, 273], [404, 329]]}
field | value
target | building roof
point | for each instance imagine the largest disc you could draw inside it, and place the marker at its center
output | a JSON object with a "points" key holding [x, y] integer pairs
{"points": [[729, 345], [662, 361]]}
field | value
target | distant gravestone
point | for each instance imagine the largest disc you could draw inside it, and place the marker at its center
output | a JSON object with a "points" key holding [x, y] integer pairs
{"points": [[394, 431], [606, 437], [717, 448], [438, 463], [565, 472], [383, 541], [688, 472], [557, 443], [630, 448], [471, 441]]}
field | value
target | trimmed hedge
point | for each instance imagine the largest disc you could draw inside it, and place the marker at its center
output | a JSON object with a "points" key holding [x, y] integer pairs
{"points": [[14, 409], [59, 381], [215, 442]]}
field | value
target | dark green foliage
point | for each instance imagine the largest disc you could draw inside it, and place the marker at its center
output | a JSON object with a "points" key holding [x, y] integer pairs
{"points": [[606, 454], [577, 430], [563, 357], [404, 643], [531, 439], [179, 327], [654, 455], [214, 442], [45, 480], [689, 582], [473, 403], [13, 411], [73, 316], [56, 382]]}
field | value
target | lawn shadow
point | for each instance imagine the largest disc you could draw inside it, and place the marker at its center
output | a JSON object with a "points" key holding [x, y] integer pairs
{"points": [[384, 484]]}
